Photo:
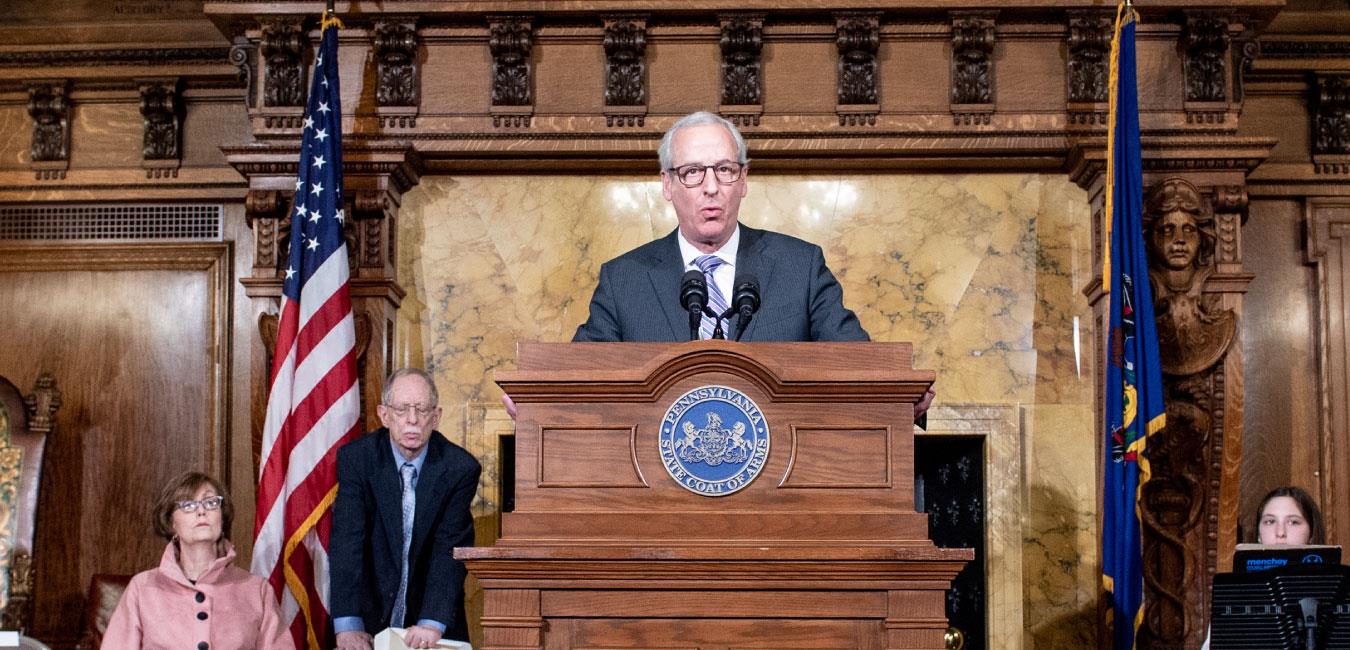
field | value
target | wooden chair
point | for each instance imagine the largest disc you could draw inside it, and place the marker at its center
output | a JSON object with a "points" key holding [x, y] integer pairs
{"points": [[25, 423]]}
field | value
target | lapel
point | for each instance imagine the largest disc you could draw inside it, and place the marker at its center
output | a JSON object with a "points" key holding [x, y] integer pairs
{"points": [[431, 486], [388, 490], [665, 269], [751, 258]]}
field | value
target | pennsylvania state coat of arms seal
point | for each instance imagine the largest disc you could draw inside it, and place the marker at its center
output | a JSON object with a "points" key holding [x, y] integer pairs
{"points": [[714, 440]]}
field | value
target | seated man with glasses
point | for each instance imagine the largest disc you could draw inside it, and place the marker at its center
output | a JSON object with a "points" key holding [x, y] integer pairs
{"points": [[703, 175], [402, 507]]}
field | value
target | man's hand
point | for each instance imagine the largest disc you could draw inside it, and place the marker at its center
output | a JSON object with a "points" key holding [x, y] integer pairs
{"points": [[921, 408], [510, 405], [421, 637], [353, 641]]}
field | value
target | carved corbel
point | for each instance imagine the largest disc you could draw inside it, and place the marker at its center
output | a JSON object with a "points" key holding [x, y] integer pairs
{"points": [[1230, 212], [742, 46], [625, 70], [1246, 47], [372, 212], [1205, 46], [398, 78], [283, 48], [244, 55], [510, 40], [49, 106], [1331, 123], [1194, 270], [1089, 45], [972, 70], [162, 123], [857, 35], [265, 211]]}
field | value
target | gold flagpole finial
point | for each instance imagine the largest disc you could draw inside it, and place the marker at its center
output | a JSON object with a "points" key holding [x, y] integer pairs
{"points": [[330, 18]]}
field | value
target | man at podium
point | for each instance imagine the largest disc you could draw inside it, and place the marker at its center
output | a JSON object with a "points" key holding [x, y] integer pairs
{"points": [[703, 174]]}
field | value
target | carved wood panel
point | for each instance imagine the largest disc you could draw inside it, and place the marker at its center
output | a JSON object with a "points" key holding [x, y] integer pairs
{"points": [[1328, 250]]}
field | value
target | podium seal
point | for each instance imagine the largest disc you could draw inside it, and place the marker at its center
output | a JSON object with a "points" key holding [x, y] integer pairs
{"points": [[714, 440]]}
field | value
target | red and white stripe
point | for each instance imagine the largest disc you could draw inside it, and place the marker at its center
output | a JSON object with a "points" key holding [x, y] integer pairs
{"points": [[313, 406]]}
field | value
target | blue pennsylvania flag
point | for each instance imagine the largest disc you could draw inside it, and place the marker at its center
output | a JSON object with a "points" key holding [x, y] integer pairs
{"points": [[1134, 403]]}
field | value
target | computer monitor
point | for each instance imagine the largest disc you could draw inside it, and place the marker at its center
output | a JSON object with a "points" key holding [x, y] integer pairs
{"points": [[1259, 557], [1298, 607]]}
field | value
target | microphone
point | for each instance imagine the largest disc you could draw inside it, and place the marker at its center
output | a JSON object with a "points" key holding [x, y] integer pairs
{"points": [[693, 297], [745, 300]]}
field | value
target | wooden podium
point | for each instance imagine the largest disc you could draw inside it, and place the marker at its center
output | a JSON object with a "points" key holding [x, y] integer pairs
{"points": [[714, 495]]}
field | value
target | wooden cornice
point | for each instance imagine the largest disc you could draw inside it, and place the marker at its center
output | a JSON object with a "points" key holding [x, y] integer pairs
{"points": [[1181, 155], [397, 162]]}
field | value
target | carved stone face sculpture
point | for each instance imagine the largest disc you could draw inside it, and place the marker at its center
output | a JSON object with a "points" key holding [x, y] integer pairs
{"points": [[1176, 237]]}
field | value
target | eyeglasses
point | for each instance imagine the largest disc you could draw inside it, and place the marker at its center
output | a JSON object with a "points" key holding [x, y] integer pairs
{"points": [[402, 411], [692, 175], [209, 503]]}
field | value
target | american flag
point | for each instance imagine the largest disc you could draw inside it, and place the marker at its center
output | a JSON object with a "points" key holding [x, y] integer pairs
{"points": [[314, 400]]}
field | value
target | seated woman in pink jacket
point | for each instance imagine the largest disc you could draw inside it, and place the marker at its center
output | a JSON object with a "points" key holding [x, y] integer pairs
{"points": [[196, 598]]}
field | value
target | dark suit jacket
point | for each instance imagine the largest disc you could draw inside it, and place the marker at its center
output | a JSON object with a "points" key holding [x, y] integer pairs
{"points": [[638, 296], [367, 537]]}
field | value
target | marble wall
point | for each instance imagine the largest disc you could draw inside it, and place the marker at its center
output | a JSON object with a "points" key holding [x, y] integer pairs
{"points": [[983, 273]]}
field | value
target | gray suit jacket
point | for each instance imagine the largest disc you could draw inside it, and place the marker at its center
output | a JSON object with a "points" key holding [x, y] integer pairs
{"points": [[638, 295]]}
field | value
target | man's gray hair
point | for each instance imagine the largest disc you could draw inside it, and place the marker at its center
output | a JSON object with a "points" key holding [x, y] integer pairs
{"points": [[698, 119], [409, 372]]}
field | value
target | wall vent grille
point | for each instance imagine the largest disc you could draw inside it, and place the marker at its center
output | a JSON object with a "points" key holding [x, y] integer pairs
{"points": [[110, 222]]}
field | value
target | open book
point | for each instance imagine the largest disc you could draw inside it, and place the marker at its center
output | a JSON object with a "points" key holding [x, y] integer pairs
{"points": [[392, 639]]}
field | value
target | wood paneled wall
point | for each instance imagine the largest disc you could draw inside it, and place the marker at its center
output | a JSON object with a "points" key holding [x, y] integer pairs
{"points": [[156, 347], [138, 336]]}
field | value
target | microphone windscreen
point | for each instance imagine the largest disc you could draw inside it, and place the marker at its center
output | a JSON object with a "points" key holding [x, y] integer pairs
{"points": [[693, 290], [746, 293]]}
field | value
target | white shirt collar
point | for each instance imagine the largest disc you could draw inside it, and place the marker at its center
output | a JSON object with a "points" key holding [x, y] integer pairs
{"points": [[727, 252]]}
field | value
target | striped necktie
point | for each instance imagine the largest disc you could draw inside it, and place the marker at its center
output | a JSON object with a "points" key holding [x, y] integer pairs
{"points": [[409, 474], [716, 301]]}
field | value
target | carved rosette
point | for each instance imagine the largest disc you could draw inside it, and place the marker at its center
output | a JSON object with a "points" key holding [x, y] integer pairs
{"points": [[742, 45], [510, 40], [857, 35], [625, 70], [283, 48], [1205, 44], [1089, 45], [162, 127], [244, 55], [49, 106], [1331, 123], [397, 75], [972, 70]]}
